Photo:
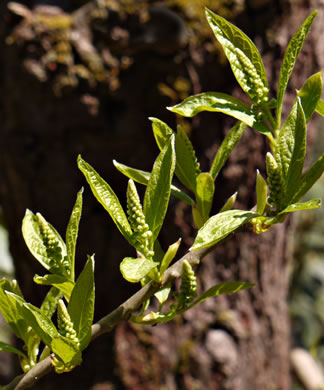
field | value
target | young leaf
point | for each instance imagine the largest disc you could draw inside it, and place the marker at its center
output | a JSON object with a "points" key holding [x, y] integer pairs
{"points": [[226, 148], [162, 132], [220, 226], [72, 232], [294, 47], [309, 205], [107, 198], [81, 304], [310, 94], [143, 177], [44, 242], [222, 288], [291, 150], [229, 203], [63, 283], [309, 178], [204, 195], [320, 107], [157, 193], [215, 102], [66, 350], [41, 324], [169, 256], [187, 167], [262, 192], [163, 294], [9, 348], [244, 57], [49, 304], [11, 311], [135, 269]]}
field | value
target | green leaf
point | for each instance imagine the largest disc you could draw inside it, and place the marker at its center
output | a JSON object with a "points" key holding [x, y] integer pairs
{"points": [[294, 47], [163, 294], [309, 205], [61, 282], [66, 350], [222, 288], [107, 198], [220, 226], [204, 194], [135, 269], [320, 107], [215, 102], [9, 348], [158, 190], [310, 178], [226, 148], [291, 150], [310, 94], [143, 177], [81, 305], [244, 57], [169, 256], [41, 324], [72, 232], [187, 167], [44, 242], [262, 192], [229, 203], [49, 304], [11, 311], [161, 131]]}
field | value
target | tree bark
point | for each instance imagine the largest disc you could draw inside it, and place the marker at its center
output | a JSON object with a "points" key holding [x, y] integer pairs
{"points": [[237, 342]]}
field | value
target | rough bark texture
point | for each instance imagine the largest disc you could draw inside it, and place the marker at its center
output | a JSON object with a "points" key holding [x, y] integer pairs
{"points": [[238, 342]]}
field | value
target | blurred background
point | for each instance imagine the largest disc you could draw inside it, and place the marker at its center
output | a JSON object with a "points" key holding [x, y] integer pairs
{"points": [[82, 77]]}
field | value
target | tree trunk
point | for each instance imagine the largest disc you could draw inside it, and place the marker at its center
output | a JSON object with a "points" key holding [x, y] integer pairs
{"points": [[236, 342]]}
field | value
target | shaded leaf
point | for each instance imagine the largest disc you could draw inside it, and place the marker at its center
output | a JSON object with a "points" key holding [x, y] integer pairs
{"points": [[223, 288], [143, 177], [220, 226], [309, 178], [226, 148], [320, 107], [41, 324], [135, 269], [61, 282], [204, 194], [81, 304], [291, 150], [49, 303], [9, 348], [66, 350], [262, 192], [229, 203], [310, 94]]}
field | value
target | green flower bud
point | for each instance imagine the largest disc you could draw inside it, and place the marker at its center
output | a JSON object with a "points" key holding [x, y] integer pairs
{"points": [[274, 180], [65, 325], [188, 289]]}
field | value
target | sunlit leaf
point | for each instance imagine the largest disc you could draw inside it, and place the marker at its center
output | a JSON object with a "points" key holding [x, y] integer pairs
{"points": [[310, 94], [107, 198], [204, 194], [261, 192], [158, 190], [81, 304], [294, 47], [63, 283], [220, 226], [135, 269]]}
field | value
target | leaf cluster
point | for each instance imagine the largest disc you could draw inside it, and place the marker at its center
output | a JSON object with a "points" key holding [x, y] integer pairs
{"points": [[276, 197]]}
